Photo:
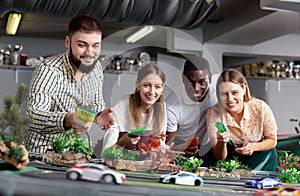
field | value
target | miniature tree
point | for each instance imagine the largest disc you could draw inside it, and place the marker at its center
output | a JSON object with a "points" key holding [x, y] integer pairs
{"points": [[155, 152], [12, 117]]}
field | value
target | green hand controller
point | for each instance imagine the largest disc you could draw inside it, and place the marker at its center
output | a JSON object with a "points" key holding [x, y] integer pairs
{"points": [[136, 132], [222, 129], [85, 114]]}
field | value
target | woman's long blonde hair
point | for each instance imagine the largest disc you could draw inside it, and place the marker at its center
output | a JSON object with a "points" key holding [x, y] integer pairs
{"points": [[158, 107]]}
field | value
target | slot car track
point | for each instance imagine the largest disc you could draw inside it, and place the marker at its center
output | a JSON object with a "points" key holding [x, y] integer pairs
{"points": [[235, 184], [57, 171]]}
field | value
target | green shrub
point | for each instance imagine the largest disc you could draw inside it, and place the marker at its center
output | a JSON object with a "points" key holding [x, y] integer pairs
{"points": [[231, 165], [291, 175], [71, 142], [287, 159], [130, 155], [190, 164], [119, 153], [112, 153]]}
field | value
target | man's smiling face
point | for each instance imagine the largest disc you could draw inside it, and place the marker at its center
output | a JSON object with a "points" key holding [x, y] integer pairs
{"points": [[84, 50]]}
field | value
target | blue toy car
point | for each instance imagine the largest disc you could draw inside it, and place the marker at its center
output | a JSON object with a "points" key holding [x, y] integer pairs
{"points": [[182, 178], [263, 183]]}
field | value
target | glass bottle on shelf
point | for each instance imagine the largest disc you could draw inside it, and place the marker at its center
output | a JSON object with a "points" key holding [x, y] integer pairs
{"points": [[296, 71], [290, 68], [131, 64], [117, 62], [15, 53], [1, 57], [272, 72], [15, 58]]}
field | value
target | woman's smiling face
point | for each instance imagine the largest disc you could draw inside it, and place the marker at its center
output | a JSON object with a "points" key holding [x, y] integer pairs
{"points": [[232, 97], [151, 88]]}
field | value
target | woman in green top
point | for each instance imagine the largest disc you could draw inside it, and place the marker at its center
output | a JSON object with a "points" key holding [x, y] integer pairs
{"points": [[251, 134]]}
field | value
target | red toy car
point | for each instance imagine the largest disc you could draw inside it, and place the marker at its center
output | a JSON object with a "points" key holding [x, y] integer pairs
{"points": [[280, 190]]}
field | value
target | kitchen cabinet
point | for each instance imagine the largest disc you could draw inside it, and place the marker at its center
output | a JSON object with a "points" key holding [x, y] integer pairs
{"points": [[11, 78], [282, 95]]}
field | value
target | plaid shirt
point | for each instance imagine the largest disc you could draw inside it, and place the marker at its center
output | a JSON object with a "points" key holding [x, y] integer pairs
{"points": [[53, 92]]}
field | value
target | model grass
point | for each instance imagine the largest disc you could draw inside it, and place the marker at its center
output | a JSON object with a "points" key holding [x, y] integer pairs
{"points": [[115, 153]]}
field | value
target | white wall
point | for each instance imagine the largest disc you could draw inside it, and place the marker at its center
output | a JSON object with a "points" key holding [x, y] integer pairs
{"points": [[287, 45]]}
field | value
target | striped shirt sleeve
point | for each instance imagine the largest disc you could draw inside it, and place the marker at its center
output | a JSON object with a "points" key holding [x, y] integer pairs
{"points": [[43, 88]]}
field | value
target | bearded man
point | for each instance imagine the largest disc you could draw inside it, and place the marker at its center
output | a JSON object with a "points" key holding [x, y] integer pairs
{"points": [[62, 83]]}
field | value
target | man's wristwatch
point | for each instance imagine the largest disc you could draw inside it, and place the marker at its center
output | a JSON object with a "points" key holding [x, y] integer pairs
{"points": [[98, 114]]}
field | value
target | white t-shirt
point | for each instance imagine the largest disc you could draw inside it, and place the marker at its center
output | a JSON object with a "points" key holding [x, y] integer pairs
{"points": [[186, 116], [124, 122]]}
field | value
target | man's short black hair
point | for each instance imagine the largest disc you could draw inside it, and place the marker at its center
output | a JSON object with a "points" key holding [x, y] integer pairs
{"points": [[195, 63], [85, 24]]}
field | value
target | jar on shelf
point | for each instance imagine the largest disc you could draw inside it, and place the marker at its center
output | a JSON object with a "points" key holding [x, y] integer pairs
{"points": [[23, 59], [6, 57]]}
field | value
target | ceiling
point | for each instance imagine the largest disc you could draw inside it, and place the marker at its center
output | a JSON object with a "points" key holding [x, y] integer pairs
{"points": [[49, 18], [237, 22]]}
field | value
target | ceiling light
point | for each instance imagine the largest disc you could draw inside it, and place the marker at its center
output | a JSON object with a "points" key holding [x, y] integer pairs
{"points": [[140, 34], [13, 23]]}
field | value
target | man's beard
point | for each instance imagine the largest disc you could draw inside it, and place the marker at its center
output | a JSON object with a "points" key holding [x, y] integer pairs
{"points": [[80, 66]]}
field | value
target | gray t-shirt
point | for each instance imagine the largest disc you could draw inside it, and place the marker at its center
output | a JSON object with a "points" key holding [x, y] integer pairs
{"points": [[186, 116]]}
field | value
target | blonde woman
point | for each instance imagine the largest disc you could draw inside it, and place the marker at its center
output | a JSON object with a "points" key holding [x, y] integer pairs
{"points": [[145, 108], [251, 134]]}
